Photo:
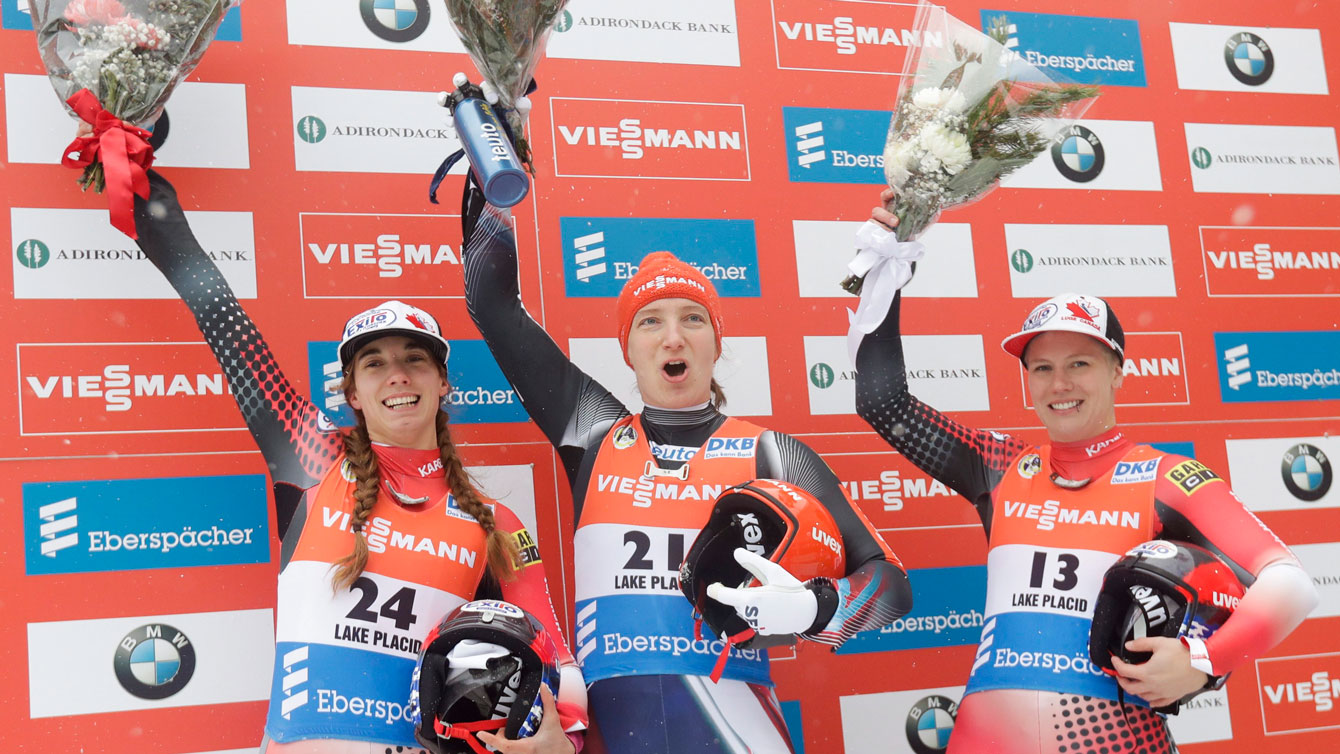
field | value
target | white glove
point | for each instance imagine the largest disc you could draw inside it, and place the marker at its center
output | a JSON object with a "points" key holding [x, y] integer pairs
{"points": [[781, 605]]}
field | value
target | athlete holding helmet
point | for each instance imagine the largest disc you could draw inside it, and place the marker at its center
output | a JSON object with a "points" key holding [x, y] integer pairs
{"points": [[382, 530], [1056, 517]]}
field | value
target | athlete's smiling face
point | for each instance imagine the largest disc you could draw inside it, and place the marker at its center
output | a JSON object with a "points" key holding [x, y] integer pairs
{"points": [[398, 385], [1073, 379], [673, 348]]}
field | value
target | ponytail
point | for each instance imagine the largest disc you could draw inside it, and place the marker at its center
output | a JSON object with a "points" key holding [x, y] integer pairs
{"points": [[363, 463], [503, 554]]}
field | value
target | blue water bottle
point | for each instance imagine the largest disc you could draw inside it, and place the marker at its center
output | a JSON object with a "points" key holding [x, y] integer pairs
{"points": [[493, 161]]}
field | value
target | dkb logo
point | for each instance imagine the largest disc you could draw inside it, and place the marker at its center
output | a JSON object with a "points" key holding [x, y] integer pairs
{"points": [[311, 129]]}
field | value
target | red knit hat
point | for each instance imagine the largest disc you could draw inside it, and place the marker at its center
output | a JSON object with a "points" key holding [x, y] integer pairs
{"points": [[662, 275]]}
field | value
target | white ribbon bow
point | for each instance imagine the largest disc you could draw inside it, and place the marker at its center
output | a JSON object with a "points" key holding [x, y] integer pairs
{"points": [[886, 264]]}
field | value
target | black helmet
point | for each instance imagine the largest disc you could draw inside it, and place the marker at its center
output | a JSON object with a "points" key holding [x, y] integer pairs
{"points": [[1160, 588], [481, 669]]}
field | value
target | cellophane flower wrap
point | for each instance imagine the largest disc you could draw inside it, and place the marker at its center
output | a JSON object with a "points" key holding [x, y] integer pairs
{"points": [[505, 39], [114, 63], [970, 111]]}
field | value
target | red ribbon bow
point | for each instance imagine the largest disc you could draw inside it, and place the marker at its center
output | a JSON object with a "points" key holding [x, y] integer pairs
{"points": [[122, 149]]}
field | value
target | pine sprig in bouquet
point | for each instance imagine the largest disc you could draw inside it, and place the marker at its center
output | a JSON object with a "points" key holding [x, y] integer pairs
{"points": [[505, 39], [970, 112]]}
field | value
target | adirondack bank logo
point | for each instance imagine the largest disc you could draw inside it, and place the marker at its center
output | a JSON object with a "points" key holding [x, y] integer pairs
{"points": [[380, 256], [646, 139], [851, 37]]}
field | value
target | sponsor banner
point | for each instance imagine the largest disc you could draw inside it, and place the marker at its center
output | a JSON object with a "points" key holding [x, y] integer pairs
{"points": [[69, 254], [1256, 367], [208, 124], [479, 391], [742, 371], [1187, 449], [896, 495], [512, 485], [1204, 718], [1239, 159], [15, 14], [373, 24], [947, 372], [697, 32], [1081, 49], [845, 36], [83, 667], [380, 256], [1242, 261], [948, 613], [1029, 650], [1101, 155], [824, 247], [609, 138], [130, 524], [1153, 372], [918, 721], [1284, 473], [122, 388], [370, 131], [1103, 260], [1322, 563], [824, 145], [1248, 59], [1299, 693], [600, 254]]}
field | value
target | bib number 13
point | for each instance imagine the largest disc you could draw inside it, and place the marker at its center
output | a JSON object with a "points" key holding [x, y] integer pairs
{"points": [[1065, 577]]}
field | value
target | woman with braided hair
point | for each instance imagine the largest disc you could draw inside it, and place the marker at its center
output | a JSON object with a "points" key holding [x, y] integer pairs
{"points": [[382, 531]]}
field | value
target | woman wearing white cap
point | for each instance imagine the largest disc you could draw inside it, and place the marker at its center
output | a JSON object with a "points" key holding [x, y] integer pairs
{"points": [[1108, 495], [382, 531]]}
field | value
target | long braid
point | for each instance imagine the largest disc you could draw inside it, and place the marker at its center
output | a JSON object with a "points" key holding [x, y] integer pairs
{"points": [[504, 556], [363, 463]]}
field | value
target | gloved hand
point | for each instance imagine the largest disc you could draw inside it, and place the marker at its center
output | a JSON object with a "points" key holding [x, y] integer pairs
{"points": [[781, 604], [490, 94]]}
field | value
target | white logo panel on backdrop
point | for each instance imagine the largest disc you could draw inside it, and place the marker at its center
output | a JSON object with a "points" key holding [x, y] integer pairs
{"points": [[742, 372], [1284, 473], [945, 371], [1248, 59], [824, 247], [1239, 159], [404, 25], [918, 721], [1102, 260], [698, 32], [76, 254], [512, 485], [1322, 563], [1202, 719], [1101, 155], [371, 131], [208, 125]]}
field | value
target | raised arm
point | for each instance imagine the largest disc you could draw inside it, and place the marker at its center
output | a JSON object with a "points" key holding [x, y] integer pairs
{"points": [[286, 426]]}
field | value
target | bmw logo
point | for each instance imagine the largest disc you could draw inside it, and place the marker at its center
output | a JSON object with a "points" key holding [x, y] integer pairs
{"points": [[154, 661], [395, 20], [1249, 58], [929, 723], [1078, 154], [1306, 471]]}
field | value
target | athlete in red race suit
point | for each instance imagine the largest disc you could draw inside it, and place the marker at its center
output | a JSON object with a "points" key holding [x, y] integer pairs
{"points": [[1056, 516], [642, 487], [392, 492]]}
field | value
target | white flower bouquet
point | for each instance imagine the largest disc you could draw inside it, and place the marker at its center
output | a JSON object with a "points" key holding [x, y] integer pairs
{"points": [[114, 63], [969, 112]]}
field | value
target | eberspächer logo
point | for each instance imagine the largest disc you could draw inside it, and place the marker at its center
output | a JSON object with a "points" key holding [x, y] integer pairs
{"points": [[1278, 366], [395, 20], [1306, 471], [1249, 58], [154, 661], [822, 375], [32, 253], [1200, 157], [1078, 154], [311, 129], [1021, 260]]}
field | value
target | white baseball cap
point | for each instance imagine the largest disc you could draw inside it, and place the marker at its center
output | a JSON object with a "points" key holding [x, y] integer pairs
{"points": [[391, 318], [1070, 312]]}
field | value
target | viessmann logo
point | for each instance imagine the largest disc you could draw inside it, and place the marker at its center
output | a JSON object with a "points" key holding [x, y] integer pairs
{"points": [[1244, 261], [892, 491], [1299, 693], [603, 252], [380, 256], [850, 37], [100, 388], [648, 139]]}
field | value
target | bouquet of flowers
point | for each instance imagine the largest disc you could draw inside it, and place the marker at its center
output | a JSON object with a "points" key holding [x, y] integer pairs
{"points": [[114, 63], [505, 39], [969, 112]]}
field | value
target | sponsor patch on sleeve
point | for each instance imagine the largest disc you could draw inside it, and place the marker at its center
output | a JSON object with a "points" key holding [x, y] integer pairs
{"points": [[1191, 475], [530, 552]]}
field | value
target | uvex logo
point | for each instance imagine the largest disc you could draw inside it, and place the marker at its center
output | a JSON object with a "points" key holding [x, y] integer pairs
{"points": [[1226, 600], [381, 256], [826, 539], [752, 533], [623, 138]]}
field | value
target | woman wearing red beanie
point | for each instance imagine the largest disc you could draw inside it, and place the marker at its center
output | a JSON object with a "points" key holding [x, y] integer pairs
{"points": [[643, 485]]}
